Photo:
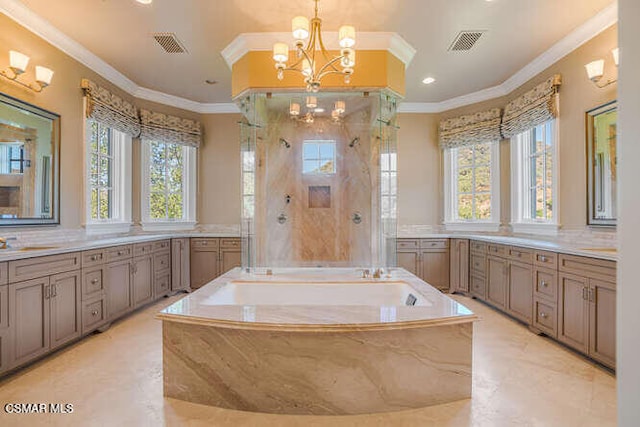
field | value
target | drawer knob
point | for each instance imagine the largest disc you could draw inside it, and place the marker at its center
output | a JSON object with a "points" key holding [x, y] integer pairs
{"points": [[94, 313], [543, 258], [544, 284], [94, 281], [543, 315], [119, 253], [94, 257]]}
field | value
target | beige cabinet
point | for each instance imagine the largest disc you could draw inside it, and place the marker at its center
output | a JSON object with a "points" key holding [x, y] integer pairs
{"points": [[205, 254], [162, 268], [520, 292], [602, 321], [427, 259], [230, 254], [65, 310], [142, 280], [459, 271], [478, 269], [30, 318], [573, 327], [410, 261], [497, 281], [118, 288], [180, 265]]}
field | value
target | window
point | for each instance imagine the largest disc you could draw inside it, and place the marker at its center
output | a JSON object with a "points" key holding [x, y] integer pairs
{"points": [[168, 185], [319, 157], [472, 187], [12, 159], [389, 187], [109, 178], [533, 187], [248, 183]]}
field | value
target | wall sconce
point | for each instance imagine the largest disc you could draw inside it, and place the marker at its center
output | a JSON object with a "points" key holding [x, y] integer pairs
{"points": [[18, 65], [595, 69]]}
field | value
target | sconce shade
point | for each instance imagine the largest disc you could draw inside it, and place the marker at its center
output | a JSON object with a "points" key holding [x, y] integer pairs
{"points": [[294, 109], [347, 36], [595, 69], [43, 75], [18, 61], [306, 68], [300, 28], [312, 102], [339, 107], [280, 52], [616, 55]]}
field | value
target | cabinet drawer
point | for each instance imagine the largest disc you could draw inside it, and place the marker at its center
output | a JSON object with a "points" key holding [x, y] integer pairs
{"points": [[161, 245], [94, 315], [521, 254], [204, 244], [434, 243], [32, 268], [161, 262], [478, 286], [140, 249], [117, 253], [230, 243], [93, 258], [545, 317], [162, 284], [478, 264], [588, 267], [478, 246], [546, 284], [545, 259], [498, 250], [407, 244], [92, 283]]}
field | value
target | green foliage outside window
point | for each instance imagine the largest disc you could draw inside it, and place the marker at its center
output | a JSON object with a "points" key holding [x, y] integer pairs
{"points": [[166, 181]]}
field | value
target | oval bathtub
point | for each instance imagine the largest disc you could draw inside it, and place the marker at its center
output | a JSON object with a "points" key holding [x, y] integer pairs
{"points": [[317, 341]]}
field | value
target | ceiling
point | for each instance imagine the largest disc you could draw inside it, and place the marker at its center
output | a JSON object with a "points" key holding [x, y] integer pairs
{"points": [[119, 32]]}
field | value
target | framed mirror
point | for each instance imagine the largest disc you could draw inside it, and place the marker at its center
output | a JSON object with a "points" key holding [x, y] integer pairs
{"points": [[602, 170], [29, 164]]}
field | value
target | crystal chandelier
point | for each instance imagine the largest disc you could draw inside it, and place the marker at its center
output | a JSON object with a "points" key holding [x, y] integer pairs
{"points": [[307, 63]]}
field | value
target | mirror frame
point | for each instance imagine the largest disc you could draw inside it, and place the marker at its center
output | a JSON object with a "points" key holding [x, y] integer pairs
{"points": [[55, 164], [591, 184]]}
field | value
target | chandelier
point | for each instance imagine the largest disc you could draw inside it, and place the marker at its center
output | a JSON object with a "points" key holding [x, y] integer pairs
{"points": [[307, 63]]}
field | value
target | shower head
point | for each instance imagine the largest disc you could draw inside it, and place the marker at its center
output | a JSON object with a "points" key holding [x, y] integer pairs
{"points": [[284, 143], [354, 141]]}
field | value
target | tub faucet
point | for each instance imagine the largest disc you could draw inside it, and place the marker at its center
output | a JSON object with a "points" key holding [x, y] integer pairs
{"points": [[378, 272], [3, 242]]}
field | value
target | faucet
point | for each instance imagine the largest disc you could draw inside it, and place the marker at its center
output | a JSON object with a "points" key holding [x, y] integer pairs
{"points": [[378, 272], [3, 242]]}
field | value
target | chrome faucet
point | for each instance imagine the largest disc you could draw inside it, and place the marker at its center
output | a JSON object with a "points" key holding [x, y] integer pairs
{"points": [[3, 242]]}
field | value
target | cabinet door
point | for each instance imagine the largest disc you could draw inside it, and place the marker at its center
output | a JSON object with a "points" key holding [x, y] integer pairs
{"points": [[119, 298], [65, 308], [573, 311], [180, 264], [231, 258], [29, 302], [459, 274], [142, 280], [520, 295], [602, 318], [204, 267], [497, 281], [435, 268], [5, 349], [409, 261]]}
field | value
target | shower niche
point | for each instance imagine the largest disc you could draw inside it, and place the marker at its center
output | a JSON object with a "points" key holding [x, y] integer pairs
{"points": [[319, 179]]}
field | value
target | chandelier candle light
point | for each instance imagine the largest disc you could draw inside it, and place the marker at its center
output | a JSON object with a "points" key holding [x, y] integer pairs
{"points": [[307, 63]]}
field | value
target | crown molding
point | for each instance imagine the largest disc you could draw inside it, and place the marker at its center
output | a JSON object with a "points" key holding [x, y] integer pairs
{"points": [[392, 42], [247, 42], [585, 32]]}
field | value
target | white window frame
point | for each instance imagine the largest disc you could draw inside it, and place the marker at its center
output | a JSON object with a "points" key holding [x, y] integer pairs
{"points": [[319, 159], [120, 221], [188, 220], [520, 201], [451, 195]]}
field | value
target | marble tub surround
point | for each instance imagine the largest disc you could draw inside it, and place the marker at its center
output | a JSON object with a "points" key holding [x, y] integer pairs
{"points": [[314, 357]]}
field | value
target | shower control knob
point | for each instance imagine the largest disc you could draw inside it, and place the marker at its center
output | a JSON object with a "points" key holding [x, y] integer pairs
{"points": [[282, 218], [356, 218]]}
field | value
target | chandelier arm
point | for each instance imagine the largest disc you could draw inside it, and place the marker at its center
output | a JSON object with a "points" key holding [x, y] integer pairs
{"points": [[325, 73], [330, 65]]}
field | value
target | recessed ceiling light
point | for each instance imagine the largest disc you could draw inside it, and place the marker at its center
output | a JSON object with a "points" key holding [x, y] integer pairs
{"points": [[144, 1], [428, 80]]}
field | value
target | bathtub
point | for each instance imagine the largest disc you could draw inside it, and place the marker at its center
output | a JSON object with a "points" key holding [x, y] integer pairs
{"points": [[317, 341]]}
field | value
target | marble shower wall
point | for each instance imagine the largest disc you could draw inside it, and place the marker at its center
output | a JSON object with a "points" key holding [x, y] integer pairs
{"points": [[319, 230]]}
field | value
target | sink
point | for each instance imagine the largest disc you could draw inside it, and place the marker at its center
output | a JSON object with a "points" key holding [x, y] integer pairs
{"points": [[600, 249], [35, 248]]}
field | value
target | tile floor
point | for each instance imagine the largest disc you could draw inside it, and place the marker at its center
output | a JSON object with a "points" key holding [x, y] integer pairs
{"points": [[115, 379]]}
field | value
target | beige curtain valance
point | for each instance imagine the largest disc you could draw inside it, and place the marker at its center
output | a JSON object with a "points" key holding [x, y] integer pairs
{"points": [[471, 129], [171, 129], [534, 107], [110, 109]]}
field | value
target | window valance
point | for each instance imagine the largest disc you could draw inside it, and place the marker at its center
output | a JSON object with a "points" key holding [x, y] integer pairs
{"points": [[470, 129], [171, 129], [534, 107], [110, 109]]}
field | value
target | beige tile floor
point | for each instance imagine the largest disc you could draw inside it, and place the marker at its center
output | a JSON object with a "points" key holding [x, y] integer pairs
{"points": [[115, 379]]}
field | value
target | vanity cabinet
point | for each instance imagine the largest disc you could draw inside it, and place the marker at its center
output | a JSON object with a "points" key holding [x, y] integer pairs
{"points": [[427, 259], [478, 269], [587, 306], [459, 266], [230, 254], [118, 288], [161, 268], [497, 281], [142, 280], [545, 292], [180, 265], [211, 257]]}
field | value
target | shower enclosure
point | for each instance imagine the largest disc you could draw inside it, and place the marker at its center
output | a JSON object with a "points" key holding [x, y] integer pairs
{"points": [[319, 179]]}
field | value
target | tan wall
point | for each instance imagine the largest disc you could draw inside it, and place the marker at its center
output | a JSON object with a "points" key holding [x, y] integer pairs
{"points": [[577, 95]]}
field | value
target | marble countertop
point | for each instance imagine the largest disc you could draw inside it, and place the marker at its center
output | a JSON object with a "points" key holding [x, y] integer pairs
{"points": [[439, 309], [594, 250], [53, 248]]}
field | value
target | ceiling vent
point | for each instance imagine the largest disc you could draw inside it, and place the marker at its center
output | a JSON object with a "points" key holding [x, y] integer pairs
{"points": [[169, 42], [465, 40]]}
